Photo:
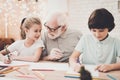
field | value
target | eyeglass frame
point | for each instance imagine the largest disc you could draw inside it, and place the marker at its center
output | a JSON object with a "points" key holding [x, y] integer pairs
{"points": [[52, 29]]}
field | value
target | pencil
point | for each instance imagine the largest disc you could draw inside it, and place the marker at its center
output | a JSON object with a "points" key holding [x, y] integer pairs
{"points": [[1, 75], [39, 75], [7, 53], [8, 56], [6, 69], [26, 76], [72, 76], [111, 77], [42, 70], [10, 70], [20, 72]]}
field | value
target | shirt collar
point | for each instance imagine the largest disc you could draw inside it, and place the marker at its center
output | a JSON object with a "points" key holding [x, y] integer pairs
{"points": [[103, 41]]}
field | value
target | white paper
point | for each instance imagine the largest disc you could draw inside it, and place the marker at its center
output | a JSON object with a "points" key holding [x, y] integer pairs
{"points": [[90, 68], [50, 66]]}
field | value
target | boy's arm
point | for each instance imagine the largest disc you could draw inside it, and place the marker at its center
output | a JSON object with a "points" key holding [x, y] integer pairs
{"points": [[74, 57], [73, 61], [108, 67]]}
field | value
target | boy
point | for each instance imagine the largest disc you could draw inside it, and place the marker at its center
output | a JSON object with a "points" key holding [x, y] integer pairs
{"points": [[99, 48]]}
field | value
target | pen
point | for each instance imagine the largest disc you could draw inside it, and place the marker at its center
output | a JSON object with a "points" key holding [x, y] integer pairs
{"points": [[111, 77]]}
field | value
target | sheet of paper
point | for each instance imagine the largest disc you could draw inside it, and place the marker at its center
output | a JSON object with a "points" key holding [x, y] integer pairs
{"points": [[5, 78], [50, 66], [41, 65], [17, 63], [90, 68]]}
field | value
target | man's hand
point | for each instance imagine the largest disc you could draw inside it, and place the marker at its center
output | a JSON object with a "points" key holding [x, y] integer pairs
{"points": [[55, 54]]}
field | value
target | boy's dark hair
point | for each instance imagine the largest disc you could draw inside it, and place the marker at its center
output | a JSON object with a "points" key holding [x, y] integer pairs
{"points": [[100, 19]]}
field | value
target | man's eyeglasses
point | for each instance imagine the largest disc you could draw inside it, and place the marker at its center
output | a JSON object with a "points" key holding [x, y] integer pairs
{"points": [[52, 29]]}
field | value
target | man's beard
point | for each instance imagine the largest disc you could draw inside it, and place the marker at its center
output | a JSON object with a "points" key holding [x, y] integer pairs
{"points": [[55, 35]]}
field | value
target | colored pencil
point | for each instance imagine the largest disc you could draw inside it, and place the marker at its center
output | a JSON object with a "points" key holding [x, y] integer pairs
{"points": [[42, 70], [111, 77]]}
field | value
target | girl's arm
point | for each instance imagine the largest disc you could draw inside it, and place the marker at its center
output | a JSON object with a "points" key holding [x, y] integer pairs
{"points": [[4, 52], [33, 58]]}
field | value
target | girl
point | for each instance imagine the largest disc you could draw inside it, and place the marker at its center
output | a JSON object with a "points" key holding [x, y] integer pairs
{"points": [[99, 48], [30, 48]]}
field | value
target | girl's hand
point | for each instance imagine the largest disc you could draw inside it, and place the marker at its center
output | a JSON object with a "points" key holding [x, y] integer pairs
{"points": [[7, 61], [104, 67]]}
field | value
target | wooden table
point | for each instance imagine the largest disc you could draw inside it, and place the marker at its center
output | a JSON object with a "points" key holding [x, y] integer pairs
{"points": [[59, 75], [53, 75]]}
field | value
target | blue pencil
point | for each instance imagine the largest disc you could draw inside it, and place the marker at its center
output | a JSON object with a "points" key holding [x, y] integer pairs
{"points": [[111, 77], [72, 76]]}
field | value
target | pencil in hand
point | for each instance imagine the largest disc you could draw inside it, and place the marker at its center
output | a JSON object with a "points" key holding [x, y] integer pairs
{"points": [[7, 52], [7, 61]]}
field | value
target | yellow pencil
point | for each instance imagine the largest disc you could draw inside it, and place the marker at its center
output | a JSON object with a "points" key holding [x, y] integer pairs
{"points": [[98, 79], [10, 70], [6, 69]]}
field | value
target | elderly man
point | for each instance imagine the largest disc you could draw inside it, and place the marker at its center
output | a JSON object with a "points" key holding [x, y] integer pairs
{"points": [[59, 40]]}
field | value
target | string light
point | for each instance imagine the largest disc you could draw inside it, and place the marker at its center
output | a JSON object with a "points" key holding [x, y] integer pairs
{"points": [[12, 12]]}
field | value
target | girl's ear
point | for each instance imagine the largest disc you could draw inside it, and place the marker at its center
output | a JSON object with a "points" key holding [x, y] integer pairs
{"points": [[26, 31]]}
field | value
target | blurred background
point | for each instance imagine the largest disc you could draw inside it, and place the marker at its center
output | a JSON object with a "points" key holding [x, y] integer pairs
{"points": [[78, 11]]}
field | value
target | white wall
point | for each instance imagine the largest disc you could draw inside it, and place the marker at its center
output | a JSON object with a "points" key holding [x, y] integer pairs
{"points": [[80, 10]]}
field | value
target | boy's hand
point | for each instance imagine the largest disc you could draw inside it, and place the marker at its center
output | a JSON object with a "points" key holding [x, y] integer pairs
{"points": [[76, 67], [104, 67]]}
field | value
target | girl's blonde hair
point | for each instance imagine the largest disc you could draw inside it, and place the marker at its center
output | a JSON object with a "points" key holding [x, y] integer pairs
{"points": [[29, 21]]}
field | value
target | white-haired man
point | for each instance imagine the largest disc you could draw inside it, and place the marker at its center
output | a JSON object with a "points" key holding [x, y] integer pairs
{"points": [[59, 40]]}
